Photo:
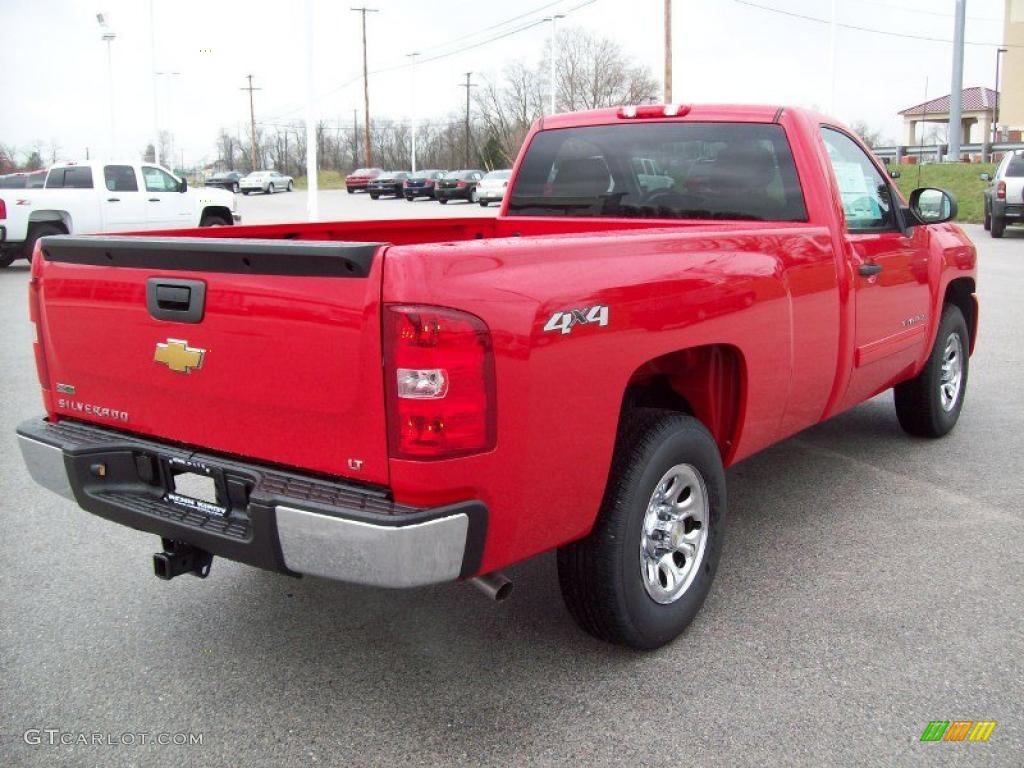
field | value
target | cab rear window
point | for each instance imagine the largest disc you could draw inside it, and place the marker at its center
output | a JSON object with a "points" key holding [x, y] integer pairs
{"points": [[79, 177], [741, 171]]}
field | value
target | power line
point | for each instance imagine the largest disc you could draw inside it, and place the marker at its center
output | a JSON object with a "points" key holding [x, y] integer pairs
{"points": [[438, 57], [805, 17]]}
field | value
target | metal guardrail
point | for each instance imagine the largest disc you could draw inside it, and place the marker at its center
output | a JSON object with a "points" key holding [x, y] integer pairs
{"points": [[935, 149]]}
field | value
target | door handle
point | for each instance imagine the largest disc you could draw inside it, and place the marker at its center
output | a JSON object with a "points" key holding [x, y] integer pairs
{"points": [[154, 199], [113, 199], [869, 270]]}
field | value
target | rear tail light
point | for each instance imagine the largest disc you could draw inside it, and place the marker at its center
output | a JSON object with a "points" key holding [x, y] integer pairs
{"points": [[461, 184], [439, 369], [3, 209], [34, 314], [1001, 190]]}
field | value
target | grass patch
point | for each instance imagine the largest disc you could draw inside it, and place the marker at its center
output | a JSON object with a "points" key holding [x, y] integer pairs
{"points": [[959, 178], [325, 179]]}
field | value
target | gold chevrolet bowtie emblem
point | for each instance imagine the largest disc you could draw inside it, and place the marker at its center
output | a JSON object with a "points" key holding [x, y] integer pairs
{"points": [[178, 355]]}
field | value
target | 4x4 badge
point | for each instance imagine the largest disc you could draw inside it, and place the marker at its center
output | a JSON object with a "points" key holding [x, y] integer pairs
{"points": [[564, 321], [177, 355]]}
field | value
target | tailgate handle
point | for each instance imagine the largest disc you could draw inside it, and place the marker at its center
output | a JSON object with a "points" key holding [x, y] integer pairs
{"points": [[182, 301]]}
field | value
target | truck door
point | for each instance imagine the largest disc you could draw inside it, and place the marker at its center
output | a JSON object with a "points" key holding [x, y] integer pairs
{"points": [[121, 202], [166, 207], [890, 271]]}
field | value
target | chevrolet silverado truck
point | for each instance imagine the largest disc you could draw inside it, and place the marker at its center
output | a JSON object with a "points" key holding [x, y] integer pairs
{"points": [[91, 197], [415, 402]]}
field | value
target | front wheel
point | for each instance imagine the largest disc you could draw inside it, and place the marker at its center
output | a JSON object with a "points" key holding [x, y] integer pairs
{"points": [[473, 196], [443, 201], [483, 203], [929, 404], [374, 196], [245, 192], [642, 574], [234, 187], [270, 189]]}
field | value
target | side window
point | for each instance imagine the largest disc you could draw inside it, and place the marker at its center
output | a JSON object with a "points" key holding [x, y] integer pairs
{"points": [[157, 180], [55, 179], [867, 201], [120, 178]]}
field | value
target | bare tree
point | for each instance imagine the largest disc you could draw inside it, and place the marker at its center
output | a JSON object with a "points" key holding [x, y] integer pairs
{"points": [[870, 136]]}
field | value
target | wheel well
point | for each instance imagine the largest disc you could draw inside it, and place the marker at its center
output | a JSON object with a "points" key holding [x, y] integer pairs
{"points": [[217, 210], [706, 382], [51, 217], [960, 292]]}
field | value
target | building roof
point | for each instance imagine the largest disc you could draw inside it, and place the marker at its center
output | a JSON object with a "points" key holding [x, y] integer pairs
{"points": [[976, 99]]}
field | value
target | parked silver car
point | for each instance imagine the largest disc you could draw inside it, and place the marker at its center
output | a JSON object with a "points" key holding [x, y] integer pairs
{"points": [[491, 188], [266, 181]]}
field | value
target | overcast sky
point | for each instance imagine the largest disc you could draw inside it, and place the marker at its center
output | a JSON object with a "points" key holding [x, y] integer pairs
{"points": [[53, 65]]}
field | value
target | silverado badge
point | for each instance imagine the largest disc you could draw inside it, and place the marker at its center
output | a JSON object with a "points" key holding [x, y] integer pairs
{"points": [[177, 355]]}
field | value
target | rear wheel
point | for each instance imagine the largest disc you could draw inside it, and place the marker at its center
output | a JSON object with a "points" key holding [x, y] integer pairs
{"points": [[213, 220], [644, 571], [245, 192], [483, 203], [349, 190], [473, 195], [374, 196], [7, 258], [929, 404], [35, 232], [443, 201], [270, 189], [234, 187], [290, 186], [988, 219], [998, 226]]}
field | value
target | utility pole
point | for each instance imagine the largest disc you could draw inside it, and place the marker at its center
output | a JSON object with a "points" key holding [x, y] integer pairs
{"points": [[413, 120], [252, 123], [355, 139], [367, 148], [108, 36], [312, 167], [668, 51], [467, 85], [957, 86], [832, 27]]}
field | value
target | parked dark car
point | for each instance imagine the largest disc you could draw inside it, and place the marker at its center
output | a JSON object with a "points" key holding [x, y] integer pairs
{"points": [[388, 183], [359, 178], [23, 180], [458, 185], [228, 180], [421, 184]]}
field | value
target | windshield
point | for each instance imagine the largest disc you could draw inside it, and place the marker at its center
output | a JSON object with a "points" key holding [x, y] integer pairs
{"points": [[739, 171], [363, 171], [13, 182], [497, 175]]}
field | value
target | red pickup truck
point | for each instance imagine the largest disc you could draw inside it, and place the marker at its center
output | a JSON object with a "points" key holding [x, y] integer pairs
{"points": [[667, 290]]}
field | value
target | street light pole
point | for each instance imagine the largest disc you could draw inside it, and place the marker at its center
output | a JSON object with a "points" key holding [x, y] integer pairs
{"points": [[412, 121], [108, 36], [367, 146], [312, 177], [995, 111], [957, 86], [667, 96], [554, 40]]}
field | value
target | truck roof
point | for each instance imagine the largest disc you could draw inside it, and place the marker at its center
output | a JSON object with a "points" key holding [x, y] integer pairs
{"points": [[745, 113]]}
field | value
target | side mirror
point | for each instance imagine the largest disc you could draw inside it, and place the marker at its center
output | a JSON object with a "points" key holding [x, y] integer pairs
{"points": [[894, 173], [930, 205], [183, 185], [986, 177]]}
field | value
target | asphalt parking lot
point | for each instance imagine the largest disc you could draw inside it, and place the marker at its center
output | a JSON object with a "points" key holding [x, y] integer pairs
{"points": [[870, 583]]}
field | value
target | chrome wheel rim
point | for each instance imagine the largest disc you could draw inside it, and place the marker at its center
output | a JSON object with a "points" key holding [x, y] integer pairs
{"points": [[951, 380], [675, 534]]}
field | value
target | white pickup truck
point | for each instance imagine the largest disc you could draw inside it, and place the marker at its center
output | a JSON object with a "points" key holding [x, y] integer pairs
{"points": [[86, 198]]}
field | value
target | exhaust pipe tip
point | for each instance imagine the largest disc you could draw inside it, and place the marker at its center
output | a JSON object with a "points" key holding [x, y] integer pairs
{"points": [[495, 585]]}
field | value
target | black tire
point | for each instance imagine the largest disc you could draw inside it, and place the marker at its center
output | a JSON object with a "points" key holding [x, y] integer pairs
{"points": [[245, 192], [919, 402], [7, 258], [374, 196], [270, 189], [483, 203], [289, 187], [998, 226], [409, 198], [443, 201], [350, 191], [213, 220], [988, 219], [600, 576], [35, 232], [473, 195], [234, 187]]}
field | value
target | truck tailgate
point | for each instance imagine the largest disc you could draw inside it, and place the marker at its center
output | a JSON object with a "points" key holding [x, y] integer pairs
{"points": [[258, 348]]}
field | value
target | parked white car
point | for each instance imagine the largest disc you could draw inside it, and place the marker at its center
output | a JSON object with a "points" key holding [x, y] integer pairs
{"points": [[90, 197], [492, 186], [266, 181]]}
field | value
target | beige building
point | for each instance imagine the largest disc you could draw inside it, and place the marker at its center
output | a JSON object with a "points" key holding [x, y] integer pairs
{"points": [[1011, 105], [977, 107]]}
